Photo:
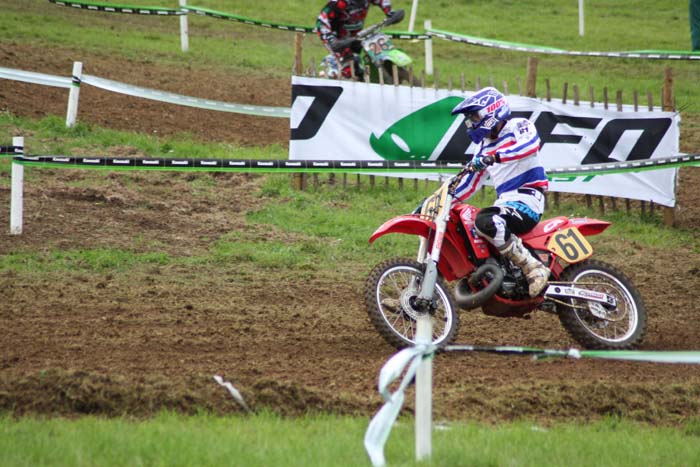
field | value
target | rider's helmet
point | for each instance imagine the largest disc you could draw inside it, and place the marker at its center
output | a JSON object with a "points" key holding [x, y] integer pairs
{"points": [[482, 112]]}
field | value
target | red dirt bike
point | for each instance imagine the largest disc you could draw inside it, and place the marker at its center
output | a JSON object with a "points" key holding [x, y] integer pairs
{"points": [[596, 303]]}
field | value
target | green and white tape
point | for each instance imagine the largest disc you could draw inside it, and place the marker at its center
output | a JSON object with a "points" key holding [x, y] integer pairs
{"points": [[518, 47], [651, 356], [671, 162], [285, 27], [163, 11], [332, 166], [450, 36], [10, 151], [131, 9], [242, 19]]}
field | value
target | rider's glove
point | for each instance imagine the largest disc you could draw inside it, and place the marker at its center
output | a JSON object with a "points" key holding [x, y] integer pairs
{"points": [[395, 16], [479, 163], [334, 44]]}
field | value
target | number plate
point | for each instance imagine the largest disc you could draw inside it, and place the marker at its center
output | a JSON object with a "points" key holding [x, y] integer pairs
{"points": [[570, 245], [434, 203], [377, 45]]}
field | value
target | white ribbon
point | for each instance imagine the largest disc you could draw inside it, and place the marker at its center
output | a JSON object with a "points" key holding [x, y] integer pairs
{"points": [[233, 391], [35, 78], [380, 426], [163, 96], [146, 93]]}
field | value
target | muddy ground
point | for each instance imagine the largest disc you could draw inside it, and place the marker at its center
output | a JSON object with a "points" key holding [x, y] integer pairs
{"points": [[133, 343]]}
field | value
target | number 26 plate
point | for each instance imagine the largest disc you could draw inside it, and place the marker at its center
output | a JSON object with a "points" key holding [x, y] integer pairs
{"points": [[570, 245]]}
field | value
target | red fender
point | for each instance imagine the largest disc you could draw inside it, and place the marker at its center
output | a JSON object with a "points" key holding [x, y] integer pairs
{"points": [[538, 237], [407, 224], [453, 263]]}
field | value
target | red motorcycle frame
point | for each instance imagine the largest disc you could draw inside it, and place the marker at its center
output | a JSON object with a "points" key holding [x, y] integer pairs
{"points": [[597, 304]]}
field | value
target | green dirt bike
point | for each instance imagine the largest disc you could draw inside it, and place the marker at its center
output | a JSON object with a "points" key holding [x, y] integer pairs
{"points": [[379, 55]]}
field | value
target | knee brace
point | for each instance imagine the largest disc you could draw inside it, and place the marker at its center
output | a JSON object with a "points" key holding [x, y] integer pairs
{"points": [[490, 225]]}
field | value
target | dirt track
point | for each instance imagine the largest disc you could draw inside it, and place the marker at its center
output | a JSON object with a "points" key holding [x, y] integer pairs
{"points": [[134, 343]]}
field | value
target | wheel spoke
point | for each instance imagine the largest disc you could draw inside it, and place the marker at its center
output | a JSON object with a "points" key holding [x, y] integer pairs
{"points": [[394, 294], [616, 327]]}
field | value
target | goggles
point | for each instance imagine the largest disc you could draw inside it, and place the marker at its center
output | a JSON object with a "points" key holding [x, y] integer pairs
{"points": [[472, 119]]}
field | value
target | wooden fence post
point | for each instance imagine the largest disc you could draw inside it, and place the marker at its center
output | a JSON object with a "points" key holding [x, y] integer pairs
{"points": [[667, 91], [298, 70], [668, 105], [298, 61], [531, 80]]}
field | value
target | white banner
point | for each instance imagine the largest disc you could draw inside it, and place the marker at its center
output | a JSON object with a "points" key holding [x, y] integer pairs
{"points": [[339, 120]]}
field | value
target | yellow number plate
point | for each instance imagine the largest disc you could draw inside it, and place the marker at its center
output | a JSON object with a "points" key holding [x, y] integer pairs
{"points": [[570, 245], [434, 203]]}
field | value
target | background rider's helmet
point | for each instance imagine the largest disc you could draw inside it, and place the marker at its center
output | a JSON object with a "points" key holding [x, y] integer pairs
{"points": [[482, 112]]}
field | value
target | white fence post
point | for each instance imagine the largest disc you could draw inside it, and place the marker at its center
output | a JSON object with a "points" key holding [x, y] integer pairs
{"points": [[74, 94], [424, 392], [184, 38], [412, 20], [428, 50], [580, 17], [16, 191]]}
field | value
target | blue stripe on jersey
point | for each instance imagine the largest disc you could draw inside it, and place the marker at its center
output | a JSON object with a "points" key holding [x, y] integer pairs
{"points": [[535, 174], [518, 150]]}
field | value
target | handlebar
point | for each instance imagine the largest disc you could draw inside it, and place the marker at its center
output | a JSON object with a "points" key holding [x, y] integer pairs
{"points": [[397, 17], [340, 44]]}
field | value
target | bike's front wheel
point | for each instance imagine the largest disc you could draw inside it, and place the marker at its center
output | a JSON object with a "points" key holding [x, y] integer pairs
{"points": [[390, 292]]}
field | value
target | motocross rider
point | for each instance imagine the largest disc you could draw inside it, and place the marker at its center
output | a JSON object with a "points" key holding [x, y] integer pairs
{"points": [[340, 19], [507, 152]]}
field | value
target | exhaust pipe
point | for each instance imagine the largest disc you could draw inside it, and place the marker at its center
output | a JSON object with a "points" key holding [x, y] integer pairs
{"points": [[467, 300]]}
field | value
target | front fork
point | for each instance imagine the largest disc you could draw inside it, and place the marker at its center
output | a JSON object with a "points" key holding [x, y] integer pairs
{"points": [[425, 297]]}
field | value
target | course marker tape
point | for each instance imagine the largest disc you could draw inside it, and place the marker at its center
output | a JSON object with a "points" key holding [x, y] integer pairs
{"points": [[407, 361], [146, 93], [131, 9], [172, 98], [11, 150], [642, 54], [163, 11], [329, 166], [35, 78]]}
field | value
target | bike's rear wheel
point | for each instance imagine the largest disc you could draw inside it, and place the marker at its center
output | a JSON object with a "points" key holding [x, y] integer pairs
{"points": [[389, 293], [591, 324]]}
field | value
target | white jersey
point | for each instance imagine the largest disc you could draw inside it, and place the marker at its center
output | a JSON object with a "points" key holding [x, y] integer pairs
{"points": [[517, 175]]}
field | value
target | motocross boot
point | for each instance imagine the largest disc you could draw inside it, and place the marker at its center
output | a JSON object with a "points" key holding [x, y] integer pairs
{"points": [[537, 273]]}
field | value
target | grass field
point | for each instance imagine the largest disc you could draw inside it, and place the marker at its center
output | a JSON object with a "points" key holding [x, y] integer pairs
{"points": [[326, 440], [267, 439]]}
